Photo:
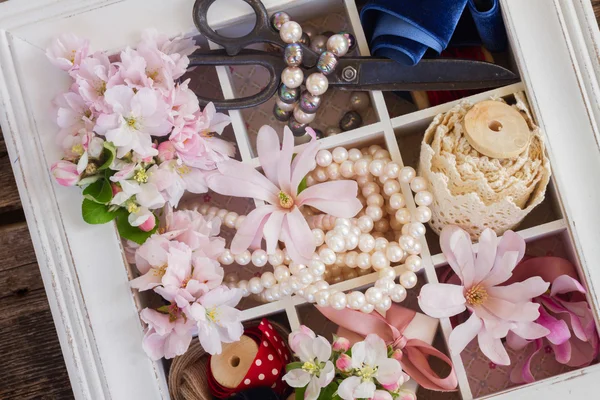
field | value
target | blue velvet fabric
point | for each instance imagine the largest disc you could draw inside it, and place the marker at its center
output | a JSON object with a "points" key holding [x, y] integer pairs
{"points": [[488, 19], [404, 29]]}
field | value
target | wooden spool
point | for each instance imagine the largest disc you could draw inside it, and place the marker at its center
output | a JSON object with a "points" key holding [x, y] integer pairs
{"points": [[231, 366], [496, 130]]}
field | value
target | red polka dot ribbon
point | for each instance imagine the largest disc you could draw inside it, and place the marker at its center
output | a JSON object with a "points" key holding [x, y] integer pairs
{"points": [[267, 368]]}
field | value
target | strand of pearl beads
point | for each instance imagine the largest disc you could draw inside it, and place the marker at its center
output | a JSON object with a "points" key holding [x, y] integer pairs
{"points": [[380, 243]]}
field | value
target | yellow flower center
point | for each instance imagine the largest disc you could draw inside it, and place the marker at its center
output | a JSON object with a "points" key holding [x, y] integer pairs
{"points": [[310, 367], [476, 296], [132, 207], [207, 134], [183, 169], [141, 176], [77, 149], [132, 123], [152, 74], [212, 314], [160, 271], [72, 56], [367, 372], [101, 89], [91, 169], [285, 200]]}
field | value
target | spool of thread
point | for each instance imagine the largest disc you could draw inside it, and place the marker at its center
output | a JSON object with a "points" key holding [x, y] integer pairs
{"points": [[231, 366]]}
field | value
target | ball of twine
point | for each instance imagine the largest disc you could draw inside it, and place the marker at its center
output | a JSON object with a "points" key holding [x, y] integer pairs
{"points": [[188, 375]]}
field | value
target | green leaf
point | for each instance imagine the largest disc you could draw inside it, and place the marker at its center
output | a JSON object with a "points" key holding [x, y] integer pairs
{"points": [[293, 365], [109, 154], [302, 185], [129, 232], [88, 180], [96, 213], [164, 309], [99, 191], [328, 392], [300, 393]]}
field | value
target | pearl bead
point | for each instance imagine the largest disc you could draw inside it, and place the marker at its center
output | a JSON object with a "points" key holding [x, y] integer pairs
{"points": [[385, 285], [397, 293], [356, 300], [306, 277], [243, 258], [397, 201], [240, 220], [354, 155], [424, 198], [382, 226], [408, 279], [336, 243], [363, 261], [373, 149], [376, 213], [292, 77], [203, 209], [403, 216], [384, 305], [418, 184], [281, 272], [259, 258], [290, 32], [340, 155], [394, 253], [302, 117], [407, 174], [413, 263], [255, 285], [226, 258], [269, 295], [374, 295], [333, 172], [366, 243], [387, 273], [327, 62], [370, 188], [375, 199], [309, 103], [316, 83], [288, 95], [295, 268], [212, 211], [276, 258], [351, 241], [268, 280], [318, 43], [416, 249], [338, 45], [276, 292], [321, 285], [285, 106], [376, 167], [286, 288], [416, 229], [365, 224], [379, 260], [230, 219], [338, 301], [391, 170], [359, 101], [322, 298], [382, 154], [351, 259], [317, 268], [309, 293], [361, 167], [367, 308], [278, 19], [222, 213], [319, 236], [391, 186], [423, 214], [407, 242], [327, 256], [243, 286]]}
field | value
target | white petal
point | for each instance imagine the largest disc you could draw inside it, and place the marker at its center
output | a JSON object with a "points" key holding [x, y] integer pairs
{"points": [[359, 353], [313, 390], [327, 374], [321, 349], [389, 371], [297, 378], [462, 335], [346, 388]]}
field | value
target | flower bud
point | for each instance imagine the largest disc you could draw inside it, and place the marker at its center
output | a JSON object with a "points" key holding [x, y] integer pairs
{"points": [[392, 387], [115, 189], [344, 363], [166, 151], [65, 173], [149, 224], [397, 355], [341, 345]]}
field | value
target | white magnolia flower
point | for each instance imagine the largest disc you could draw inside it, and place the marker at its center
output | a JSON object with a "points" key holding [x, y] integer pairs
{"points": [[370, 362], [317, 371]]}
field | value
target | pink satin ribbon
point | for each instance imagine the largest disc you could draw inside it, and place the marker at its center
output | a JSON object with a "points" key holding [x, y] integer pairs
{"points": [[355, 325]]}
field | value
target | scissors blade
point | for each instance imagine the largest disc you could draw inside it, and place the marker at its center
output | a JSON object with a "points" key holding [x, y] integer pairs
{"points": [[370, 73]]}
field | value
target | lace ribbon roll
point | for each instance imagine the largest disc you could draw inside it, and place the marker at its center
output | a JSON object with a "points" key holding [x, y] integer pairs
{"points": [[475, 191]]}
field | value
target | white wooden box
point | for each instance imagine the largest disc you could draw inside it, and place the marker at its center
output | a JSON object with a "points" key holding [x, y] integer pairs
{"points": [[555, 46]]}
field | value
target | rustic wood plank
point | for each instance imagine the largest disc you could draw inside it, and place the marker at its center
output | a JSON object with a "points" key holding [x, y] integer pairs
{"points": [[16, 246], [9, 197]]}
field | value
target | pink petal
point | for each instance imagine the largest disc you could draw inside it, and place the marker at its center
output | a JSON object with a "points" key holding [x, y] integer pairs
{"points": [[520, 291], [456, 246], [272, 230], [462, 335], [516, 342], [582, 353], [530, 330], [267, 146], [522, 371], [511, 245], [559, 330], [486, 254], [249, 228], [566, 284], [559, 307], [492, 348], [562, 352], [241, 180], [440, 300], [500, 308], [290, 246], [304, 162], [284, 174], [337, 198], [300, 233]]}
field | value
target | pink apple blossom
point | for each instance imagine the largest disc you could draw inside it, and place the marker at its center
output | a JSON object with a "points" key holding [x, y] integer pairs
{"points": [[135, 117], [68, 51], [73, 113], [149, 224], [95, 75], [146, 68], [168, 335], [344, 363], [65, 173], [177, 50], [297, 336], [195, 230], [341, 344], [495, 310], [281, 218], [217, 318], [166, 151]]}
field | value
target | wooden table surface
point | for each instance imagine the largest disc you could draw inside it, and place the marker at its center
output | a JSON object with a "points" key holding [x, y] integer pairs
{"points": [[31, 365]]}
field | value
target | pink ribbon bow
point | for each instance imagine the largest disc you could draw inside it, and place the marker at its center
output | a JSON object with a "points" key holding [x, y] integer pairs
{"points": [[355, 325]]}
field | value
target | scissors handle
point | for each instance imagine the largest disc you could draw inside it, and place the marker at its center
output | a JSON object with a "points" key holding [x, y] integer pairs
{"points": [[261, 32], [274, 64]]}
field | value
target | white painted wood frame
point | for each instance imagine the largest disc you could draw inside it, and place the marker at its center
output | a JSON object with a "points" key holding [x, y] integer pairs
{"points": [[555, 44]]}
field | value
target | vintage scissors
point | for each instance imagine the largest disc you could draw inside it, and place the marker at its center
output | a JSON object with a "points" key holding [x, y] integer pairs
{"points": [[352, 73]]}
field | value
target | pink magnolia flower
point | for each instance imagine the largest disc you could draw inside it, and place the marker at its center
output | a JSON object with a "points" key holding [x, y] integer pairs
{"points": [[68, 51], [95, 75], [370, 364], [495, 309], [136, 116], [65, 173], [168, 335], [217, 318], [281, 218], [573, 336]]}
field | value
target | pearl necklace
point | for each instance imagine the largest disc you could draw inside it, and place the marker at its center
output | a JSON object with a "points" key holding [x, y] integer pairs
{"points": [[384, 232]]}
